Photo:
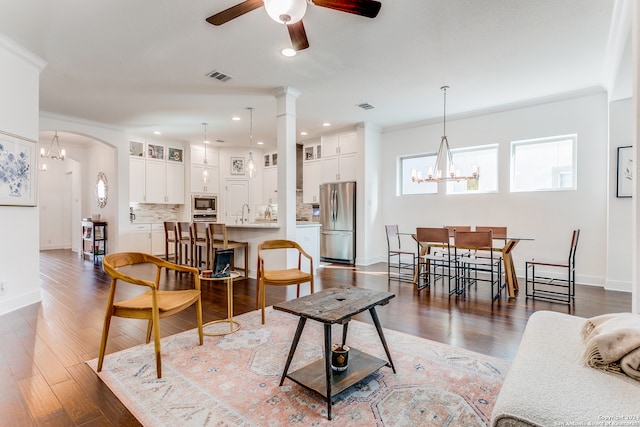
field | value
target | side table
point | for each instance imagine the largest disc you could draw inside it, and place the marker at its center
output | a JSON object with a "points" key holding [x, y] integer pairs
{"points": [[335, 306], [233, 325]]}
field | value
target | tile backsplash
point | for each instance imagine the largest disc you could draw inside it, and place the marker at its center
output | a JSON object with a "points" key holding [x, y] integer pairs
{"points": [[155, 213]]}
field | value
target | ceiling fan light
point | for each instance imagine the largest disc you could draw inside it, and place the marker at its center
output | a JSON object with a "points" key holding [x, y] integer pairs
{"points": [[286, 11]]}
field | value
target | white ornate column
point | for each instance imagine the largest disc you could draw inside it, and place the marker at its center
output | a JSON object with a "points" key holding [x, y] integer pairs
{"points": [[286, 121]]}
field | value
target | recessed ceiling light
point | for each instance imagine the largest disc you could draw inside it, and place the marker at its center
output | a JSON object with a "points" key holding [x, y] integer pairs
{"points": [[288, 52], [157, 132], [326, 124], [303, 133], [260, 143], [235, 118]]}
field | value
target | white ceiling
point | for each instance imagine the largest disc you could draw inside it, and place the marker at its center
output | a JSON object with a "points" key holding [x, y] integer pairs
{"points": [[142, 64]]}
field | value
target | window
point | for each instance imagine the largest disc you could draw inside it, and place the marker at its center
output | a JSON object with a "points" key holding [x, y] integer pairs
{"points": [[420, 164], [485, 158], [544, 164]]}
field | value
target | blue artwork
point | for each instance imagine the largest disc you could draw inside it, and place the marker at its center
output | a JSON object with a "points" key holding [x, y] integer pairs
{"points": [[16, 173]]}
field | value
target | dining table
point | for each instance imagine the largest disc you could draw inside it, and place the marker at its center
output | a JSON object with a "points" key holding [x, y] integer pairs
{"points": [[510, 277]]}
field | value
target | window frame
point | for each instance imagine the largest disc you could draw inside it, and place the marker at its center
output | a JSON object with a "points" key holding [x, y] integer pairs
{"points": [[400, 191], [495, 147], [558, 171]]}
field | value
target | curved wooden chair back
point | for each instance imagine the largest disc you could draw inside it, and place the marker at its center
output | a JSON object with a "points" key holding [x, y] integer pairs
{"points": [[281, 277], [151, 305]]}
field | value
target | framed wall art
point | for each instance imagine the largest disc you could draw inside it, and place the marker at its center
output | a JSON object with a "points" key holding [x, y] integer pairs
{"points": [[155, 151], [624, 179], [18, 186], [175, 154], [237, 166]]}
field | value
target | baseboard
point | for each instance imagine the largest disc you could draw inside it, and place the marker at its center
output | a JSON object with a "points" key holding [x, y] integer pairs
{"points": [[20, 301]]}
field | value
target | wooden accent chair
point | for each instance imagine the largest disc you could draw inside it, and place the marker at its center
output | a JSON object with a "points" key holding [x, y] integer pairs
{"points": [[170, 238], [281, 277], [553, 288], [152, 305]]}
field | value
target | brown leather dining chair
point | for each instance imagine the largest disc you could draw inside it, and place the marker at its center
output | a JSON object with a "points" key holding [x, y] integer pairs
{"points": [[152, 305], [435, 255]]}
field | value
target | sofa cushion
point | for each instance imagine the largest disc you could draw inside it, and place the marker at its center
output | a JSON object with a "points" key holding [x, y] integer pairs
{"points": [[548, 383]]}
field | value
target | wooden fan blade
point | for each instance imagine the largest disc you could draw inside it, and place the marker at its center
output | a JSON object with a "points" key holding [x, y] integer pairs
{"points": [[298, 36], [234, 11], [368, 8]]}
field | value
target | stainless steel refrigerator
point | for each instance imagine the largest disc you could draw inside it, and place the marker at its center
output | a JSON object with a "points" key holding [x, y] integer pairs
{"points": [[338, 222]]}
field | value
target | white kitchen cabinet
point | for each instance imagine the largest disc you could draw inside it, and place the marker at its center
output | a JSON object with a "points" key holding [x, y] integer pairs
{"points": [[157, 240], [139, 238], [312, 176], [136, 180], [198, 186], [308, 236], [164, 183], [312, 151], [174, 184], [339, 160], [270, 185], [340, 144]]}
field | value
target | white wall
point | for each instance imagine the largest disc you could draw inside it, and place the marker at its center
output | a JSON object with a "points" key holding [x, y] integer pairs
{"points": [[620, 215], [19, 260], [549, 217]]}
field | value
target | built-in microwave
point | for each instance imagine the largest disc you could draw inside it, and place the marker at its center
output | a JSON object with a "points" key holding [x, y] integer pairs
{"points": [[204, 204]]}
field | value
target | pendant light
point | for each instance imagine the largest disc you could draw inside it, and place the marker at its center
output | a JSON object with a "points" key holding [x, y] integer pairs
{"points": [[205, 170], [444, 160], [251, 165], [58, 154]]}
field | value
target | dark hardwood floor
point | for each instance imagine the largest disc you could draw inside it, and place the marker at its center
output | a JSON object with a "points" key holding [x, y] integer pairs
{"points": [[45, 381]]}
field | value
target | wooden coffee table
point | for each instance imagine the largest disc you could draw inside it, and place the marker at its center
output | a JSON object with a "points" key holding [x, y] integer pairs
{"points": [[335, 305]]}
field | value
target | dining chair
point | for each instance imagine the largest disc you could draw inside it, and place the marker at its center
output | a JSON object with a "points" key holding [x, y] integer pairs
{"points": [[405, 259], [453, 228], [272, 252], [435, 253], [152, 305], [170, 239], [466, 244], [550, 285]]}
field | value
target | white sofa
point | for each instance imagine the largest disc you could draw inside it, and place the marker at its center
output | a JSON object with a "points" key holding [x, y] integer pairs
{"points": [[548, 385]]}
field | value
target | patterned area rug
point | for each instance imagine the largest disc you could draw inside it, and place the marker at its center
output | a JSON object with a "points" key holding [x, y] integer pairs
{"points": [[233, 380]]}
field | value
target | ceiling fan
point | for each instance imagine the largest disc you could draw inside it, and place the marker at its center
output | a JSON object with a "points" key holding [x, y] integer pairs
{"points": [[290, 13]]}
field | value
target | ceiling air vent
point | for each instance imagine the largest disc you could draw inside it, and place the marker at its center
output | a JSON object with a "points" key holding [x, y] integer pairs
{"points": [[218, 75], [365, 106]]}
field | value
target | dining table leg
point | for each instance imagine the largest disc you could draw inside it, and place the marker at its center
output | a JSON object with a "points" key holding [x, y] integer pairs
{"points": [[509, 268]]}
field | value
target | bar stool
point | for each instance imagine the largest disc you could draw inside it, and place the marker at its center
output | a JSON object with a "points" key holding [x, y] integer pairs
{"points": [[200, 242], [219, 240], [170, 234], [184, 243]]}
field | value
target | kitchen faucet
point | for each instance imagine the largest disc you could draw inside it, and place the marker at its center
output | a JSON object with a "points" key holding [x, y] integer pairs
{"points": [[242, 221]]}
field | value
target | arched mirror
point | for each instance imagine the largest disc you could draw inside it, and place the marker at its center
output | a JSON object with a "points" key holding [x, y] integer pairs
{"points": [[101, 189]]}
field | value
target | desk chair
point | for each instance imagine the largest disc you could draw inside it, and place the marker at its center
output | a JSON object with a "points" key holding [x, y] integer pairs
{"points": [[152, 305], [551, 288]]}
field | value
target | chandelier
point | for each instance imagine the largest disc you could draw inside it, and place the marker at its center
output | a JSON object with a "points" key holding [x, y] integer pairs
{"points": [[444, 160], [205, 166], [251, 165], [58, 154]]}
